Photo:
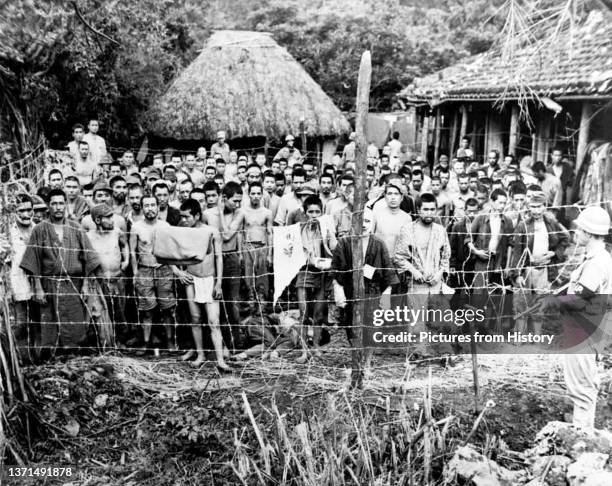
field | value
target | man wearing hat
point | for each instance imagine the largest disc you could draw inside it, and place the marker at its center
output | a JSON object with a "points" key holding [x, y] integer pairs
{"points": [[592, 277], [298, 215], [151, 177], [41, 211], [289, 152], [110, 243], [102, 194], [19, 283], [539, 246], [220, 146]]}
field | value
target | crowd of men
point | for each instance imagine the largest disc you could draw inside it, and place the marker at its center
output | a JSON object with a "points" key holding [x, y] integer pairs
{"points": [[81, 248]]}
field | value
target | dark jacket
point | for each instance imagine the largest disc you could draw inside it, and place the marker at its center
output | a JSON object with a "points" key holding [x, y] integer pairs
{"points": [[481, 236], [460, 255], [376, 256], [558, 241]]}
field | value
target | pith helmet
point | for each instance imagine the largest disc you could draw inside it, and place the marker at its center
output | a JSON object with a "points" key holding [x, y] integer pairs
{"points": [[594, 220]]}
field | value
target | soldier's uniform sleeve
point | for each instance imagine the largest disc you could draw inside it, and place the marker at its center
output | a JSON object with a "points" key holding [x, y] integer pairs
{"points": [[585, 288]]}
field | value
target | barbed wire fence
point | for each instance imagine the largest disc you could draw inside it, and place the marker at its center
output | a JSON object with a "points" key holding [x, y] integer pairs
{"points": [[104, 333]]}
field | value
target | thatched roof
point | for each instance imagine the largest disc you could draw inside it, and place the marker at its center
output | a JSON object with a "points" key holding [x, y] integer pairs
{"points": [[246, 84], [578, 65]]}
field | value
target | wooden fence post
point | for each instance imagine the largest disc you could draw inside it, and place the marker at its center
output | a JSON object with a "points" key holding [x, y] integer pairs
{"points": [[363, 100]]}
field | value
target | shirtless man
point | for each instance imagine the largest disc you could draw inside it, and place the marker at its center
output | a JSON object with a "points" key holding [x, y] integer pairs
{"points": [[110, 243], [85, 167], [227, 220], [102, 194], [257, 221], [203, 286], [152, 281], [134, 214]]}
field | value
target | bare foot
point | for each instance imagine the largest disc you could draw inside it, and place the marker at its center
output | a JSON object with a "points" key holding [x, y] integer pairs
{"points": [[223, 367], [198, 362], [188, 355]]}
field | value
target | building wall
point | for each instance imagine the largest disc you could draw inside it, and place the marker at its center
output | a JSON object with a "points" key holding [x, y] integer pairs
{"points": [[488, 127]]}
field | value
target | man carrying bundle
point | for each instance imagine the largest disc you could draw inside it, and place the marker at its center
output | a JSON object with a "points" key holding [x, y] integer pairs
{"points": [[203, 286]]}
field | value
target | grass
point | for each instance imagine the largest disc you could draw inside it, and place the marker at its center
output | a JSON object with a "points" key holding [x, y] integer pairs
{"points": [[283, 423]]}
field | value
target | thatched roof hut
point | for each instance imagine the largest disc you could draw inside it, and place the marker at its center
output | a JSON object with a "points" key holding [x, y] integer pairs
{"points": [[246, 84]]}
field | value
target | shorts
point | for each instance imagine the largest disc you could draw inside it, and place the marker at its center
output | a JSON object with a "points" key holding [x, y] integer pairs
{"points": [[203, 290], [154, 288]]}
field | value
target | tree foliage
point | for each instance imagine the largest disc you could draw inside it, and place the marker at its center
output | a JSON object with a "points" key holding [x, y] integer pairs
{"points": [[64, 61]]}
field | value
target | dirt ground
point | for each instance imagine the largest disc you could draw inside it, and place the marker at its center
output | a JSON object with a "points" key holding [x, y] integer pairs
{"points": [[122, 420]]}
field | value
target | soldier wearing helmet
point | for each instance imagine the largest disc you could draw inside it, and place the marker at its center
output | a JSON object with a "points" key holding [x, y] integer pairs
{"points": [[591, 278]]}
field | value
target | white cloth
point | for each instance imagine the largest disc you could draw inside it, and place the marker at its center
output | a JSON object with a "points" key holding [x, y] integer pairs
{"points": [[289, 256], [203, 290], [495, 222], [540, 239]]}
